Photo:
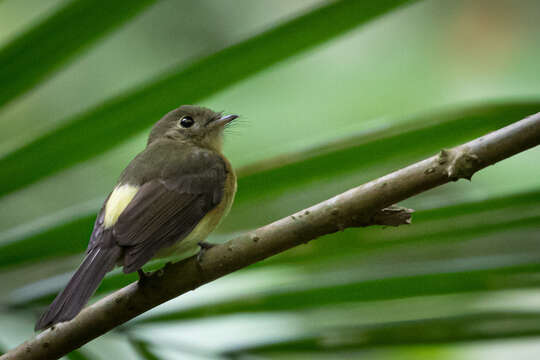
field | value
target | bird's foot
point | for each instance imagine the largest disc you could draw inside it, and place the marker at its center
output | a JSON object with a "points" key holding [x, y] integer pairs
{"points": [[204, 246], [143, 277]]}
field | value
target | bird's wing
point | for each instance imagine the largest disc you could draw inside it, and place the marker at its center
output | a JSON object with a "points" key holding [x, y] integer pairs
{"points": [[166, 209], [97, 233]]}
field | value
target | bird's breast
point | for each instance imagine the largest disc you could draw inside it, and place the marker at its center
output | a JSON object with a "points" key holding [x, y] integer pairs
{"points": [[189, 245]]}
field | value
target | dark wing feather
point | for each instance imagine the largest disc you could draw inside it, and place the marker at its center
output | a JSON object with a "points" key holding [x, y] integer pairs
{"points": [[166, 210]]}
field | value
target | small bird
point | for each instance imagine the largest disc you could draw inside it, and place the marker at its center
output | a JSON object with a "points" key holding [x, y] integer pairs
{"points": [[166, 202]]}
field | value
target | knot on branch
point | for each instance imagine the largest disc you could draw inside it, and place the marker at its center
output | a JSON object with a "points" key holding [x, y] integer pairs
{"points": [[459, 163], [393, 216], [390, 216]]}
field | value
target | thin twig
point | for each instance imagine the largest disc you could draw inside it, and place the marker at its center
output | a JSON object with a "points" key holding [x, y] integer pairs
{"points": [[360, 206]]}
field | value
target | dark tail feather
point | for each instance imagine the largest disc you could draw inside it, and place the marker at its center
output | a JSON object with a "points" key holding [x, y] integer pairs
{"points": [[81, 287]]}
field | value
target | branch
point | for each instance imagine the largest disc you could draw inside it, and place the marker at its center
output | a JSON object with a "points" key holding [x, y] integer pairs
{"points": [[360, 206]]}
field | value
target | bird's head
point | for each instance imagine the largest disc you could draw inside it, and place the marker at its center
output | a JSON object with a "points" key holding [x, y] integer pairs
{"points": [[193, 125]]}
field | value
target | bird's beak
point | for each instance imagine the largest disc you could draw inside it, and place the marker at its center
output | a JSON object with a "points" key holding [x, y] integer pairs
{"points": [[224, 120]]}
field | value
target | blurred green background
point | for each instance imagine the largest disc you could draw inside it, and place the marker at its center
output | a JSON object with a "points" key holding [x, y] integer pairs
{"points": [[331, 95]]}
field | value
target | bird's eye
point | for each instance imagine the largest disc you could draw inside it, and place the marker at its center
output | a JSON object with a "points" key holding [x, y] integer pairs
{"points": [[186, 122]]}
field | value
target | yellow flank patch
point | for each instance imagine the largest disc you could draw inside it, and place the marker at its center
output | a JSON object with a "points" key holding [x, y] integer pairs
{"points": [[119, 199]]}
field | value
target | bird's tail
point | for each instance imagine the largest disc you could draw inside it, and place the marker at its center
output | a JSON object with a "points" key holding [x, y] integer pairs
{"points": [[81, 287]]}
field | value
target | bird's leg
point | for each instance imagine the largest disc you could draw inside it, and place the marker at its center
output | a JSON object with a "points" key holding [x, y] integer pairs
{"points": [[204, 246], [142, 276]]}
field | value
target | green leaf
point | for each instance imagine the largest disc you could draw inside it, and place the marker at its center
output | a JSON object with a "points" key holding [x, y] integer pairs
{"points": [[360, 281], [143, 349], [78, 355], [398, 145], [467, 327], [36, 54], [102, 128], [455, 223], [66, 239], [492, 224], [350, 161], [475, 278]]}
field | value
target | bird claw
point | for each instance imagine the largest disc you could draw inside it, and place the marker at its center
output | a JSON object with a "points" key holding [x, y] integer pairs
{"points": [[143, 277], [204, 246]]}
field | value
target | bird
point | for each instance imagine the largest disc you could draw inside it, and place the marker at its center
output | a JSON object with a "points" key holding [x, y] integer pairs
{"points": [[167, 200]]}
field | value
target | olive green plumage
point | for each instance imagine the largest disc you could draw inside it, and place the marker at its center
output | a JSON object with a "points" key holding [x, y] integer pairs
{"points": [[167, 200]]}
